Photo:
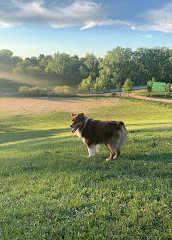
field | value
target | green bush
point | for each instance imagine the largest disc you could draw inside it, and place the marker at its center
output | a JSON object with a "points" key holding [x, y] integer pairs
{"points": [[33, 91], [168, 87], [24, 90], [149, 86], [63, 91], [113, 94], [87, 85], [128, 86], [37, 91]]}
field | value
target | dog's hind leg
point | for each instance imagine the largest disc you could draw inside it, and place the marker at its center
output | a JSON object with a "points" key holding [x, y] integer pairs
{"points": [[97, 148], [118, 154], [111, 150]]}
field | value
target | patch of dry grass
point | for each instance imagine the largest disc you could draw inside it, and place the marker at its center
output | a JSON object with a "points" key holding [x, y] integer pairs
{"points": [[20, 106]]}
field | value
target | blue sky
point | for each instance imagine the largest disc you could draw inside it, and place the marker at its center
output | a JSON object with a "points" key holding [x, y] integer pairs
{"points": [[77, 27]]}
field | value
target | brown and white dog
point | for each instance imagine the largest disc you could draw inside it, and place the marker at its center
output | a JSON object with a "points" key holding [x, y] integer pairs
{"points": [[94, 132]]}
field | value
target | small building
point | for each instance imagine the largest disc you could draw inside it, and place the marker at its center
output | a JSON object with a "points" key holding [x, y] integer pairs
{"points": [[158, 86]]}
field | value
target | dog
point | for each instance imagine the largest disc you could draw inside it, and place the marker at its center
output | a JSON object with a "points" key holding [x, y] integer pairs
{"points": [[94, 132]]}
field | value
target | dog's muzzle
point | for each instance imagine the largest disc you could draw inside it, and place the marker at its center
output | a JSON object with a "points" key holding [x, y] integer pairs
{"points": [[73, 128]]}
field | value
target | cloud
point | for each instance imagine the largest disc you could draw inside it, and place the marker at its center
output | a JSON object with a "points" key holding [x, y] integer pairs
{"points": [[158, 20], [161, 18], [108, 22], [84, 14], [79, 13]]}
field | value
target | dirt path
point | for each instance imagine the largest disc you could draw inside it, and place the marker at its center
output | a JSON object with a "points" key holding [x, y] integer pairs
{"points": [[19, 106], [150, 98]]}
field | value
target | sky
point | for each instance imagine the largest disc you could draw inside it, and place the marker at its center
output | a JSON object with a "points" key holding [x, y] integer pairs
{"points": [[32, 27]]}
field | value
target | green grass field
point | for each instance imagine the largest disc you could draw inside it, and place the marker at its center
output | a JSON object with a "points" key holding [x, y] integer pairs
{"points": [[155, 94], [49, 189]]}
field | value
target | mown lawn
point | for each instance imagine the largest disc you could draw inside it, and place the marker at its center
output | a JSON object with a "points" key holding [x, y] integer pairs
{"points": [[49, 189]]}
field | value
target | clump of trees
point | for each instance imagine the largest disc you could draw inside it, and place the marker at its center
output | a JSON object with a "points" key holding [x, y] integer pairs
{"points": [[40, 92], [91, 73]]}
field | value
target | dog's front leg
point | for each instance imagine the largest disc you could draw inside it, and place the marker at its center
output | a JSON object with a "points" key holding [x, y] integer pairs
{"points": [[91, 148], [91, 151]]}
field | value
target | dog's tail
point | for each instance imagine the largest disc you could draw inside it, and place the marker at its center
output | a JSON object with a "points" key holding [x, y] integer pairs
{"points": [[123, 133]]}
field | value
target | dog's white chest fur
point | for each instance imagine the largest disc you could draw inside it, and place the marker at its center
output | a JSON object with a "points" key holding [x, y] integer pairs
{"points": [[92, 150], [79, 133]]}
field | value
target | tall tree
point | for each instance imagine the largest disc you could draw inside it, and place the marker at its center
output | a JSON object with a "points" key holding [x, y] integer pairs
{"points": [[128, 86], [6, 60], [91, 64], [116, 66], [64, 68]]}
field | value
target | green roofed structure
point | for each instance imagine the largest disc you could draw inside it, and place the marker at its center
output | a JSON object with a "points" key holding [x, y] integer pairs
{"points": [[158, 86]]}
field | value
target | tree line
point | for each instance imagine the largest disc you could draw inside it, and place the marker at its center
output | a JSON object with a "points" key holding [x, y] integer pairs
{"points": [[92, 73]]}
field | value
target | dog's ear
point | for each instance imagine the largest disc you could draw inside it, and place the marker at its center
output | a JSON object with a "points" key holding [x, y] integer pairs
{"points": [[74, 114], [81, 114]]}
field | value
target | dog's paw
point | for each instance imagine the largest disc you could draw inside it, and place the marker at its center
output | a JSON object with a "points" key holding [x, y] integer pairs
{"points": [[107, 159], [117, 157]]}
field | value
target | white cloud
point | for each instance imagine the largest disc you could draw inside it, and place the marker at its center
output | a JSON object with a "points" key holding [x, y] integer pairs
{"points": [[107, 22], [89, 25], [158, 20], [6, 25], [79, 13], [82, 13], [161, 18]]}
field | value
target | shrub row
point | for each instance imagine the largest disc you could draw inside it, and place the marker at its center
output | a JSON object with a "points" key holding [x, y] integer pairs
{"points": [[39, 92], [33, 91]]}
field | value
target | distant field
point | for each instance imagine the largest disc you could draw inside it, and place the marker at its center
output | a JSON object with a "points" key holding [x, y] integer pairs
{"points": [[49, 189], [155, 94]]}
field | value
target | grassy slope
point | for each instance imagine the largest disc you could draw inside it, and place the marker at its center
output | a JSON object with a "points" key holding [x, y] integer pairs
{"points": [[49, 189]]}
